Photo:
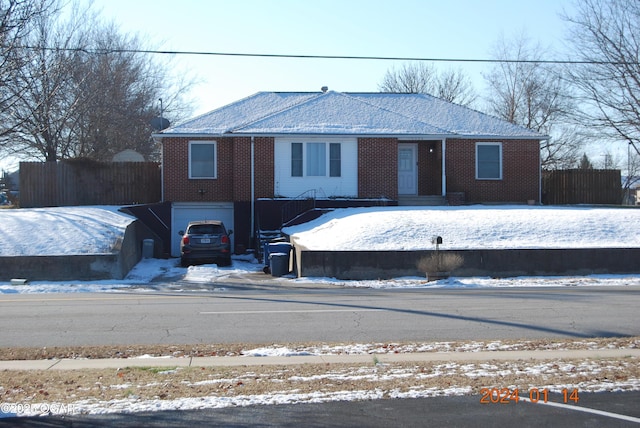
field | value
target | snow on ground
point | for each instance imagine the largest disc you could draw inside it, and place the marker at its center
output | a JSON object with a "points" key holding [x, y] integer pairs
{"points": [[470, 227], [61, 230], [83, 230]]}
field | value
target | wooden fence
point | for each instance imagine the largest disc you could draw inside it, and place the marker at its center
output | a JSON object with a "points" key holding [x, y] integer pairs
{"points": [[582, 186], [68, 183]]}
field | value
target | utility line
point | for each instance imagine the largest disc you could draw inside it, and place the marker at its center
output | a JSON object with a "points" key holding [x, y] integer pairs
{"points": [[344, 57]]}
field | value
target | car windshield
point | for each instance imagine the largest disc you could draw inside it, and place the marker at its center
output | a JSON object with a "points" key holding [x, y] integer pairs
{"points": [[205, 229]]}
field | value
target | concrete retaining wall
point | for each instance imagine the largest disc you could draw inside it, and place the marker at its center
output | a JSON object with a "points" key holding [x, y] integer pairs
{"points": [[115, 265], [495, 263]]}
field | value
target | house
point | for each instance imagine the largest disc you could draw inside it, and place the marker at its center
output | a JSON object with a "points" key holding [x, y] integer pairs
{"points": [[243, 162]]}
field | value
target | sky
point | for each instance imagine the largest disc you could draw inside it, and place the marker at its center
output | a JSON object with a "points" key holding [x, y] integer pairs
{"points": [[402, 28]]}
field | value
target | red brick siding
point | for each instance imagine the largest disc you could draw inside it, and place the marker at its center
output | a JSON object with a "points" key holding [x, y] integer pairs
{"points": [[242, 169], [520, 171], [429, 168], [264, 167], [377, 167], [233, 174]]}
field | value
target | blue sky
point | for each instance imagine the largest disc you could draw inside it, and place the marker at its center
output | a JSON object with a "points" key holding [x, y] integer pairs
{"points": [[399, 28]]}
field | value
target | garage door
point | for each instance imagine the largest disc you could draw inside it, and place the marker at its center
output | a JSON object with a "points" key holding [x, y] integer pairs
{"points": [[183, 213]]}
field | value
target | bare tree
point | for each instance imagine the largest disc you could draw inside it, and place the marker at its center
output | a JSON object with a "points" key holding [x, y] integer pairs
{"points": [[526, 91], [420, 78], [604, 35], [85, 91], [119, 100], [456, 87], [17, 18], [564, 150], [44, 91]]}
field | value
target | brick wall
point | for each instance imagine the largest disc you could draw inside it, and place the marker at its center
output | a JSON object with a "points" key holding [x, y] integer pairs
{"points": [[429, 168], [520, 171], [177, 185], [264, 161], [377, 167], [234, 170]]}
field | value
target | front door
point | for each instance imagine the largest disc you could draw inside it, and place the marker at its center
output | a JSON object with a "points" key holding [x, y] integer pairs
{"points": [[407, 169]]}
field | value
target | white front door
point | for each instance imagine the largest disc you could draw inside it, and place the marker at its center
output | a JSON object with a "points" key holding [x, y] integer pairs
{"points": [[407, 169]]}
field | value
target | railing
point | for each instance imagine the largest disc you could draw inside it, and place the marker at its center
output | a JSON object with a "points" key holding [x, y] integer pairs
{"points": [[300, 204]]}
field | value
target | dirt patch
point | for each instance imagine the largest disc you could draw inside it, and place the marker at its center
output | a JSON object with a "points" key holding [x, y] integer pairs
{"points": [[228, 350], [149, 383]]}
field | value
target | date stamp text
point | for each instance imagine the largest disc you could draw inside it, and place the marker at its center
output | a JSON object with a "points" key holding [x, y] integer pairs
{"points": [[534, 395]]}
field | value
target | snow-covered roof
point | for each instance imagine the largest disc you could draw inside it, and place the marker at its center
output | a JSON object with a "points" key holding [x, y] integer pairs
{"points": [[343, 113]]}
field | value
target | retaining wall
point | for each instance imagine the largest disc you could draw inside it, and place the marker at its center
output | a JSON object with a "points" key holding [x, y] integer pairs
{"points": [[493, 263], [115, 265]]}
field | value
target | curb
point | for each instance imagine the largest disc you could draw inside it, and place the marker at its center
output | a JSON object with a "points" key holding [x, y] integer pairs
{"points": [[117, 363]]}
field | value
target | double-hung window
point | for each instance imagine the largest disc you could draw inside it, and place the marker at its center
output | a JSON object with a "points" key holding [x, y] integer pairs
{"points": [[488, 161], [203, 159], [316, 159]]}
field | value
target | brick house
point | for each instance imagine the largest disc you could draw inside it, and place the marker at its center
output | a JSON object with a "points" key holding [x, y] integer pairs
{"points": [[243, 162]]}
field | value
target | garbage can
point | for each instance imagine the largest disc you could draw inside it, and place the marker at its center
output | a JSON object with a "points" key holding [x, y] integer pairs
{"points": [[283, 249], [279, 264], [276, 246], [147, 248]]}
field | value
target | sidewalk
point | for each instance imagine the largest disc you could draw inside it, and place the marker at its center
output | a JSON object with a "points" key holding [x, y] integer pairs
{"points": [[115, 363]]}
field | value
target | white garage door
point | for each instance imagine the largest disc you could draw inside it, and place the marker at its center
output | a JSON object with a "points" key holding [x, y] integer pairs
{"points": [[183, 213]]}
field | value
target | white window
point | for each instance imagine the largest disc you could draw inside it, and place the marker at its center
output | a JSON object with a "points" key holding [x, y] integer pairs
{"points": [[203, 159], [296, 159], [489, 161], [310, 159], [316, 159]]}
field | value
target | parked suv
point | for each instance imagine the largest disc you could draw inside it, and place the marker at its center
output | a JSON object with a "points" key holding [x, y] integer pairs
{"points": [[205, 241]]}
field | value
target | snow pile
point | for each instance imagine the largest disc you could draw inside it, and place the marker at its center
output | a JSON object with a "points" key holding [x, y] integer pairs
{"points": [[469, 227], [61, 230]]}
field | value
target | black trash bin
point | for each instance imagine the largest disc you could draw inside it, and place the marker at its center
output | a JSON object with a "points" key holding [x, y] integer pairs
{"points": [[279, 264]]}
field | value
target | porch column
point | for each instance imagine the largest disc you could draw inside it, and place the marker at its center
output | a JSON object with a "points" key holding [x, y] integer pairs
{"points": [[444, 172]]}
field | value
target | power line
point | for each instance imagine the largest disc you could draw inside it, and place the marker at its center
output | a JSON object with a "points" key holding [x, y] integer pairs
{"points": [[343, 57]]}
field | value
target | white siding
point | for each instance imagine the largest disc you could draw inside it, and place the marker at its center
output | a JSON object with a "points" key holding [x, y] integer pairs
{"points": [[183, 213], [344, 186]]}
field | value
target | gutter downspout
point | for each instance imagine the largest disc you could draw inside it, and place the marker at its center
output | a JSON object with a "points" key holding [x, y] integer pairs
{"points": [[158, 140], [444, 172], [253, 188], [540, 172]]}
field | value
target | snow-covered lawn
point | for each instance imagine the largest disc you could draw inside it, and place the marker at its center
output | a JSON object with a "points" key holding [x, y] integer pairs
{"points": [[61, 230], [83, 230], [470, 227]]}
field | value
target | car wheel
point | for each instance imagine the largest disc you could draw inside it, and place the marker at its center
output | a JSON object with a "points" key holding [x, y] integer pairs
{"points": [[184, 263]]}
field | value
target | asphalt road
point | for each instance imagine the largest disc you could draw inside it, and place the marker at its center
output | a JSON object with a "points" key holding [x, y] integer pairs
{"points": [[232, 314], [593, 410]]}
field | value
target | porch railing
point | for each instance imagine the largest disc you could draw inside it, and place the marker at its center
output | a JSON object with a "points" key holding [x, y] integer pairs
{"points": [[300, 204]]}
